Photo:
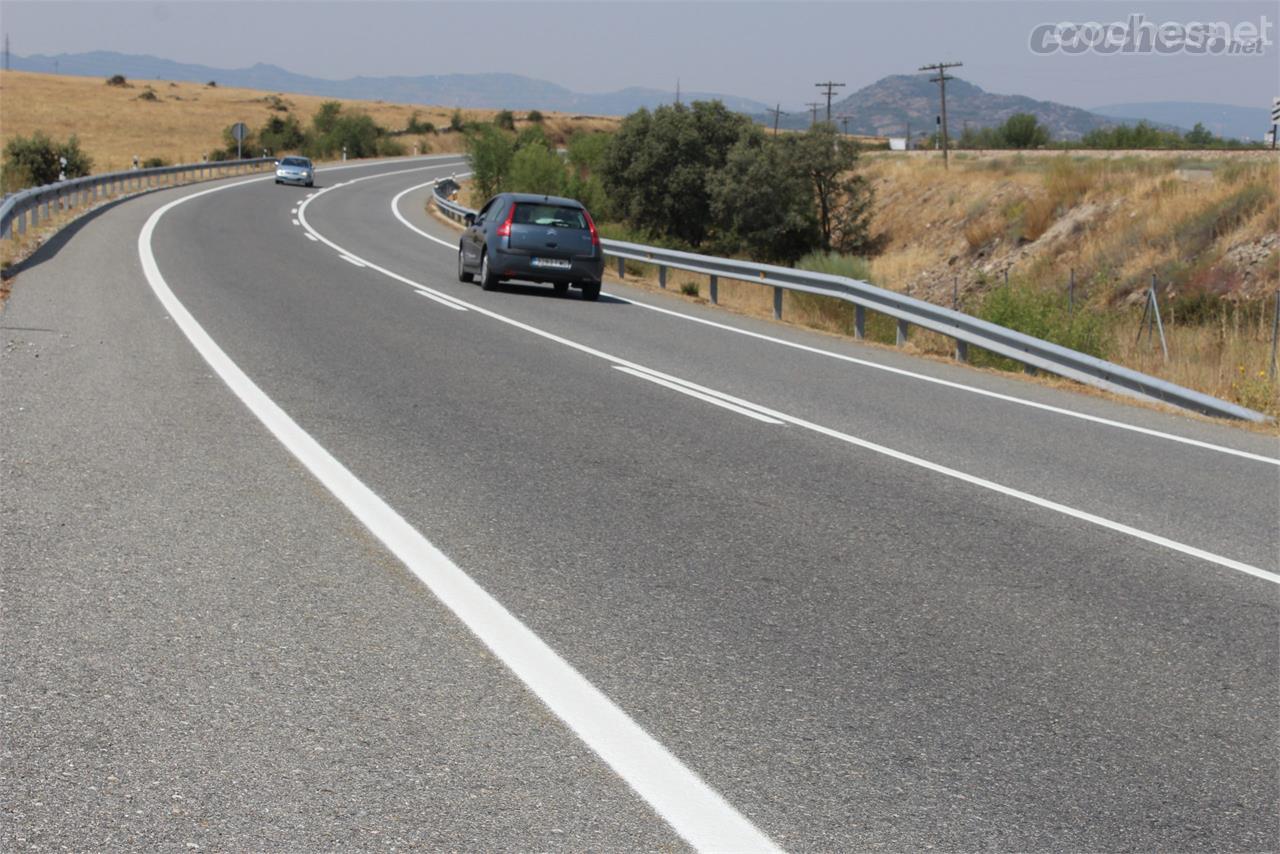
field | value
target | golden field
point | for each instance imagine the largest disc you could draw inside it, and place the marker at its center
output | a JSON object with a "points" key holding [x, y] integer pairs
{"points": [[187, 120]]}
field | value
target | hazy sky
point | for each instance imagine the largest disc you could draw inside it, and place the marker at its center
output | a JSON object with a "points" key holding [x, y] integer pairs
{"points": [[768, 51]]}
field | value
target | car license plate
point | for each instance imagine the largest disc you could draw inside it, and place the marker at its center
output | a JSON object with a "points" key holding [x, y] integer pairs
{"points": [[554, 263]]}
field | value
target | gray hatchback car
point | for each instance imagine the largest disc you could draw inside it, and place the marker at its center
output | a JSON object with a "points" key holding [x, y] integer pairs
{"points": [[533, 239]]}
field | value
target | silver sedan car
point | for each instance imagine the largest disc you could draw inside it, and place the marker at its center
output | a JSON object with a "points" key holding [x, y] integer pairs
{"points": [[295, 170]]}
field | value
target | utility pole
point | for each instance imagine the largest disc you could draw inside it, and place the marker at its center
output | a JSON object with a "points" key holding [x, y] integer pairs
{"points": [[844, 121], [813, 108], [941, 80], [776, 112], [830, 86], [677, 91]]}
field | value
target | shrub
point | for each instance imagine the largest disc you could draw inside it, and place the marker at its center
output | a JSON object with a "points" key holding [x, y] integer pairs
{"points": [[35, 161], [456, 122], [148, 94], [154, 163], [534, 116], [415, 126], [505, 120], [212, 84], [117, 80], [1043, 314], [689, 289], [836, 264]]}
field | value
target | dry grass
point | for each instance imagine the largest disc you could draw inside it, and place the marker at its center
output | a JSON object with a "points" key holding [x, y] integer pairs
{"points": [[187, 119]]}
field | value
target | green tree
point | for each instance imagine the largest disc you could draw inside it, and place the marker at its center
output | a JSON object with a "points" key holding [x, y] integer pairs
{"points": [[656, 169], [490, 151], [843, 199], [1022, 130], [1200, 137], [505, 119], [762, 202], [281, 134], [456, 122], [537, 169], [535, 116], [36, 160], [326, 117]]}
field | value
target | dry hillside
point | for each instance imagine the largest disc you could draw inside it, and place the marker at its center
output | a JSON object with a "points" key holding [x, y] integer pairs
{"points": [[186, 120]]}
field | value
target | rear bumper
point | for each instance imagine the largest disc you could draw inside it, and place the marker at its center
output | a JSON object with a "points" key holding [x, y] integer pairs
{"points": [[511, 266]]}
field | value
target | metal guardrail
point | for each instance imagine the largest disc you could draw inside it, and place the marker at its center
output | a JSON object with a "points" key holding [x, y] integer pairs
{"points": [[30, 206], [965, 329]]}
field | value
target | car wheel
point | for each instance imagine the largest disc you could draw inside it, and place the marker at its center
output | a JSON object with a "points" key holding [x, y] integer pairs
{"points": [[311, 183], [591, 291], [277, 180], [561, 288], [463, 275], [488, 281]]}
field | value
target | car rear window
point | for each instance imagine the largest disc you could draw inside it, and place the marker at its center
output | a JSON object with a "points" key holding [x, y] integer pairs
{"points": [[552, 216]]}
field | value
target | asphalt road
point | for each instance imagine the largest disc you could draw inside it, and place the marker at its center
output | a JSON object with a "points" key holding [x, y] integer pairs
{"points": [[890, 611]]}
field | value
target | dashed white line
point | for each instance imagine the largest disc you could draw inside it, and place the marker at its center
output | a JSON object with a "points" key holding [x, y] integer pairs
{"points": [[698, 813], [295, 221], [444, 302], [351, 260]]}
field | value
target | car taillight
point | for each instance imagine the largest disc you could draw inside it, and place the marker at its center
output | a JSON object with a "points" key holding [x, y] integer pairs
{"points": [[595, 237], [504, 230]]}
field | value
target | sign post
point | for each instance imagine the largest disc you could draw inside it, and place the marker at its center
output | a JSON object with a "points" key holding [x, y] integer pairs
{"points": [[239, 132], [1275, 119]]}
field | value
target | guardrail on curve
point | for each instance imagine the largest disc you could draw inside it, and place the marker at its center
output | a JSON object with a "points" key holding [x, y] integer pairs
{"points": [[31, 205], [963, 328]]}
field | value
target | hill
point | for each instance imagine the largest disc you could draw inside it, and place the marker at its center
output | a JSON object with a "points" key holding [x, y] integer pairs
{"points": [[477, 91], [892, 104], [185, 121]]}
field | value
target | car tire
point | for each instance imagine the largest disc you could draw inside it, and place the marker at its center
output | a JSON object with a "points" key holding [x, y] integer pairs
{"points": [[311, 183], [591, 291], [488, 281], [561, 288], [463, 275], [277, 180]]}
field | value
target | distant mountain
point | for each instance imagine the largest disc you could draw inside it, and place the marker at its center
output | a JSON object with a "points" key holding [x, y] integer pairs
{"points": [[1223, 119], [484, 91], [888, 106]]}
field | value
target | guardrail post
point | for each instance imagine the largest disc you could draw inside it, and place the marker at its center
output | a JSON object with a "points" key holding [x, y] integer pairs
{"points": [[962, 350], [715, 290], [777, 303], [902, 332], [662, 278], [6, 229], [622, 267], [859, 322]]}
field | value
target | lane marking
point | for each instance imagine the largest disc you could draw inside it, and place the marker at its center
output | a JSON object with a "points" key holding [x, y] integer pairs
{"points": [[696, 812], [294, 211], [446, 303], [310, 236], [351, 260], [1044, 503], [995, 395], [295, 221], [709, 398]]}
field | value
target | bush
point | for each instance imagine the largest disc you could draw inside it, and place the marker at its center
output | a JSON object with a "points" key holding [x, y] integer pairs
{"points": [[280, 134], [148, 94], [35, 161], [456, 122], [212, 84], [414, 126], [1042, 314], [154, 163], [505, 120], [762, 202], [117, 80], [534, 116]]}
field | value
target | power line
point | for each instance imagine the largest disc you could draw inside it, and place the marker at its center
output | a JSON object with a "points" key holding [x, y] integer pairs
{"points": [[830, 86], [777, 112], [941, 80], [813, 107]]}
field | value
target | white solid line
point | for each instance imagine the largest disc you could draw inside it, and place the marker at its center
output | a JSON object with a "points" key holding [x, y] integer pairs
{"points": [[1082, 515], [351, 260], [444, 302], [693, 809], [741, 410], [1044, 407]]}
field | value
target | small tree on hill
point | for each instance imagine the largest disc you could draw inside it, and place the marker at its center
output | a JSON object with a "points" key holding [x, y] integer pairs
{"points": [[36, 160], [1022, 130]]}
